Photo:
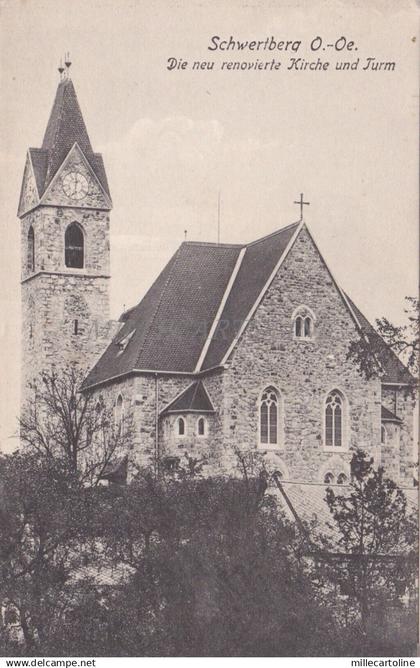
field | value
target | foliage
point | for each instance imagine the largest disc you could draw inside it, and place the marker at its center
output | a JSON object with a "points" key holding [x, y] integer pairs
{"points": [[43, 521], [60, 422], [370, 353], [377, 541]]}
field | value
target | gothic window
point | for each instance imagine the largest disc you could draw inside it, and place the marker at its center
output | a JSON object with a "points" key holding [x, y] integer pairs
{"points": [[269, 417], [303, 323], [329, 478], [31, 250], [74, 246], [180, 426], [201, 427], [334, 419], [383, 434], [342, 479], [119, 415]]}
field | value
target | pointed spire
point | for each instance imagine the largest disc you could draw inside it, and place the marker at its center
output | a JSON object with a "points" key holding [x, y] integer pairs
{"points": [[65, 127]]}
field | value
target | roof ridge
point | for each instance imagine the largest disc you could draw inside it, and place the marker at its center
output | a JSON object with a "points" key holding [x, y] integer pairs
{"points": [[272, 234], [211, 243]]}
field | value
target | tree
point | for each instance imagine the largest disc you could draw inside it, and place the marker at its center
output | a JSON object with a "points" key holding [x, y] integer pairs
{"points": [[42, 524], [61, 422], [377, 540], [376, 347], [216, 571]]}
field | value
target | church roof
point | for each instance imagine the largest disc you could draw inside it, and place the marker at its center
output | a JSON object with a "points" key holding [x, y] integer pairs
{"points": [[65, 128], [394, 370], [193, 399], [196, 309], [172, 322]]}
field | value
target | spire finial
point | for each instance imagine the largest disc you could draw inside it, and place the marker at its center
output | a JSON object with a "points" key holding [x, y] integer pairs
{"points": [[61, 69], [185, 234], [67, 63]]}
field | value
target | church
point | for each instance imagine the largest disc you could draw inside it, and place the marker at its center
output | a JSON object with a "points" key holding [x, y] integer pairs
{"points": [[235, 347]]}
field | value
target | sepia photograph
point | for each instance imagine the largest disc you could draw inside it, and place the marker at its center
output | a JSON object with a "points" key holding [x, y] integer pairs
{"points": [[210, 331]]}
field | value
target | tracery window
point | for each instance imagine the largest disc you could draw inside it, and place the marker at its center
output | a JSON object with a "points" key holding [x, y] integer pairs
{"points": [[334, 419], [342, 479], [269, 417], [303, 323], [329, 478]]}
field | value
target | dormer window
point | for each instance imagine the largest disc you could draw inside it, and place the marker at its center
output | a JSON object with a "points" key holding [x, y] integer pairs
{"points": [[303, 323], [123, 343]]}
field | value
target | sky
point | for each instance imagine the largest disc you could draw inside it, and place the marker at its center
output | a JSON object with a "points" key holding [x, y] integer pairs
{"points": [[171, 140]]}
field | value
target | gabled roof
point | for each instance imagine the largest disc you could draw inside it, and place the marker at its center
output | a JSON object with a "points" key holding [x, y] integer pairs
{"points": [[394, 370], [388, 416], [65, 128], [195, 311], [192, 400], [174, 317], [260, 258]]}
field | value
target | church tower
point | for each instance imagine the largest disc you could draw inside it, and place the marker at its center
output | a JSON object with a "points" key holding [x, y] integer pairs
{"points": [[64, 211]]}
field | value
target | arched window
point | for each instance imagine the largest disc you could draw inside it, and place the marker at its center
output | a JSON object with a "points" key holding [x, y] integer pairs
{"points": [[31, 250], [303, 323], [383, 434], [119, 415], [269, 417], [201, 427], [329, 478], [74, 246], [334, 419], [342, 479], [298, 327], [180, 426]]}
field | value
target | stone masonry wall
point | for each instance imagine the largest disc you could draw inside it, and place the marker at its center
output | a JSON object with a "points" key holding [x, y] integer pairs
{"points": [[398, 451], [53, 296], [302, 370]]}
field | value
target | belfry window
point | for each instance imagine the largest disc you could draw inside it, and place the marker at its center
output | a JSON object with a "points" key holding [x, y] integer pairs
{"points": [[74, 246], [334, 419], [269, 417], [31, 250]]}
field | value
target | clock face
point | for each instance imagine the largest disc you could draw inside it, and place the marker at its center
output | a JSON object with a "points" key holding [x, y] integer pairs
{"points": [[75, 185]]}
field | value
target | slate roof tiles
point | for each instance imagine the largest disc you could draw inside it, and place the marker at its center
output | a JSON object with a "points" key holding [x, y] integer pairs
{"points": [[170, 325], [65, 127]]}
